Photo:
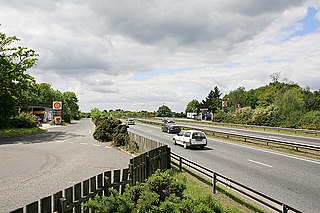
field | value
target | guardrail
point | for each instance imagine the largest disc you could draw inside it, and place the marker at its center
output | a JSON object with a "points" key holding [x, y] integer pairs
{"points": [[267, 140], [315, 132], [248, 137], [259, 197]]}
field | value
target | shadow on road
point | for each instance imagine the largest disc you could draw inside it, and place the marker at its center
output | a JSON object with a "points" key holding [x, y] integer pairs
{"points": [[51, 136]]}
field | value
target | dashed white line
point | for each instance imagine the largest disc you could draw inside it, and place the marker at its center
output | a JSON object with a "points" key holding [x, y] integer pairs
{"points": [[83, 143], [70, 142], [149, 131], [263, 164], [96, 145], [271, 152]]}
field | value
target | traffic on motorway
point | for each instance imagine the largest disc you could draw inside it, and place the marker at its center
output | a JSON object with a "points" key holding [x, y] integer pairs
{"points": [[288, 178]]}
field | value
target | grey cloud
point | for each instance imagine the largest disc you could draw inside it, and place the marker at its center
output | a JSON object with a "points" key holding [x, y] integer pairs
{"points": [[189, 22]]}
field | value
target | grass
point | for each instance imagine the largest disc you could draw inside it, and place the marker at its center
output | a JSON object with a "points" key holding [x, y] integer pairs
{"points": [[9, 132], [230, 202]]}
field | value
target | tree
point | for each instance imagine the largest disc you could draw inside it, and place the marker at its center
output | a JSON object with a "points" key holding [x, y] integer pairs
{"points": [[15, 84], [193, 106], [213, 100], [291, 106], [164, 111], [70, 107]]}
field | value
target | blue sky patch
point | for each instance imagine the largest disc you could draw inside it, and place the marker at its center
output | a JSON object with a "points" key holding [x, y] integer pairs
{"points": [[309, 23]]}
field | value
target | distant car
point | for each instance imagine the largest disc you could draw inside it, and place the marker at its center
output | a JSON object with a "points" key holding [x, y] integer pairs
{"points": [[130, 121], [167, 120], [170, 128], [188, 138]]}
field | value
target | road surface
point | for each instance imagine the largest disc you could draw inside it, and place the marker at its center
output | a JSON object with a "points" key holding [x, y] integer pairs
{"points": [[36, 166]]}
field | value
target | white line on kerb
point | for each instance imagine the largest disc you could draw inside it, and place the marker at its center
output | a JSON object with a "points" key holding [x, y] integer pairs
{"points": [[263, 164]]}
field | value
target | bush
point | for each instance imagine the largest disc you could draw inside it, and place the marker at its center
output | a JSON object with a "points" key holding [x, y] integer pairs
{"points": [[24, 120], [311, 120], [162, 192], [111, 129]]}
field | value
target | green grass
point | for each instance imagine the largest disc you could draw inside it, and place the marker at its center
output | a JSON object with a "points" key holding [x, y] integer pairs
{"points": [[199, 186], [9, 132]]}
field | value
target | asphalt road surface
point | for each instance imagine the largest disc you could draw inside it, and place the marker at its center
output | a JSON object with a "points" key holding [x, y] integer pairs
{"points": [[36, 166], [290, 179]]}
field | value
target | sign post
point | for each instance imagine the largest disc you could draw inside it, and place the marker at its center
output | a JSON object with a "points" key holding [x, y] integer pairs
{"points": [[57, 111]]}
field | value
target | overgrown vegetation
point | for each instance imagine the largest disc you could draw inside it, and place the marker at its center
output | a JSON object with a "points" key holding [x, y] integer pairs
{"points": [[163, 192], [278, 104], [110, 129]]}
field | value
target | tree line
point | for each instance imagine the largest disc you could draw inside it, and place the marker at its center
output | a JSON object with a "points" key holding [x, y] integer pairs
{"points": [[278, 104], [19, 89]]}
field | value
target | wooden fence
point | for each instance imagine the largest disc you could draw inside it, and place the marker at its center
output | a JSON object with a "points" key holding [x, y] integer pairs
{"points": [[144, 144], [71, 199]]}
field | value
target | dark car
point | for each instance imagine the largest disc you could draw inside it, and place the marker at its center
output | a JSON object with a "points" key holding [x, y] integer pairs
{"points": [[171, 128]]}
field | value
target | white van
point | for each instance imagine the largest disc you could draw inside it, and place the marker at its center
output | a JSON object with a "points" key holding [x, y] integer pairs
{"points": [[189, 138]]}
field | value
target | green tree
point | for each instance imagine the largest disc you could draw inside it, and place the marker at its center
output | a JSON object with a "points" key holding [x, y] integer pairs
{"points": [[193, 106], [70, 107], [44, 94], [15, 84], [212, 101], [164, 111], [291, 106], [312, 100], [238, 96]]}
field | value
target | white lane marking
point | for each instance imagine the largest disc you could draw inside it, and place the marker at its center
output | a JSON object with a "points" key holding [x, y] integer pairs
{"points": [[96, 145], [61, 141], [149, 130], [83, 143], [263, 164], [168, 136], [270, 152], [108, 147], [70, 142], [90, 132]]}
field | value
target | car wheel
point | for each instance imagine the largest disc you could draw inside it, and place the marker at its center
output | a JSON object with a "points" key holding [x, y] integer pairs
{"points": [[185, 145], [174, 142]]}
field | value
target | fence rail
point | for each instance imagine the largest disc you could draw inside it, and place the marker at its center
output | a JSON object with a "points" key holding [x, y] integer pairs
{"points": [[240, 188]]}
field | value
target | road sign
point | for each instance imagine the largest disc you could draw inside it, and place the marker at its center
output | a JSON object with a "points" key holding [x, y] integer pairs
{"points": [[57, 105]]}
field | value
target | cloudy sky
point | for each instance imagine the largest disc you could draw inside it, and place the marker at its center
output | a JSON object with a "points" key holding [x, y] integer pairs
{"points": [[140, 54]]}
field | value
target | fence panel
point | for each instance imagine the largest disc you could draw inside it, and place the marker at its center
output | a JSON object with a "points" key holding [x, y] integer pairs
{"points": [[46, 204], [116, 179], [33, 207], [77, 196], [107, 182]]}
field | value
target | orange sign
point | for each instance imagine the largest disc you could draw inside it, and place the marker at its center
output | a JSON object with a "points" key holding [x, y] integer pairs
{"points": [[57, 105]]}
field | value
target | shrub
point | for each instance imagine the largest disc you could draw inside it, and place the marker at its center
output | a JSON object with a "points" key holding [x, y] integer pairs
{"points": [[162, 192], [311, 120], [111, 129], [24, 120]]}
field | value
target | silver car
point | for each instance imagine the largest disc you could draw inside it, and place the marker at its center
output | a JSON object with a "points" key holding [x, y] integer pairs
{"points": [[190, 138]]}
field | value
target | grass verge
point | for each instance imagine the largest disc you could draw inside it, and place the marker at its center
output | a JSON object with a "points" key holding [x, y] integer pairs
{"points": [[9, 132], [199, 185]]}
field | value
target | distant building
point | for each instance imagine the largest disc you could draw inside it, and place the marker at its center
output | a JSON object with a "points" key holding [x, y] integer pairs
{"points": [[44, 113]]}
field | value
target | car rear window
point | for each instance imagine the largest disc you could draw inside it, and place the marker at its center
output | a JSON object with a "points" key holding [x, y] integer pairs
{"points": [[198, 135]]}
